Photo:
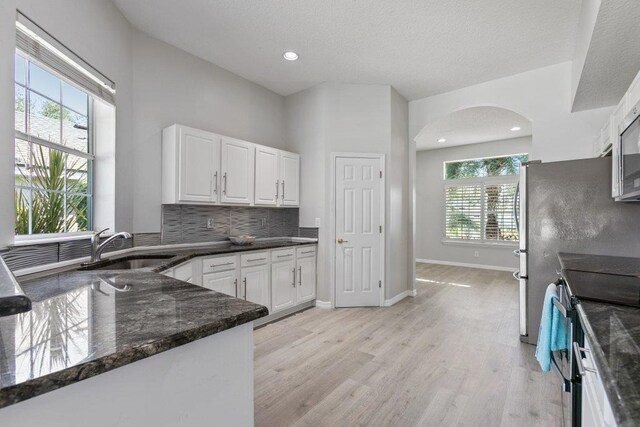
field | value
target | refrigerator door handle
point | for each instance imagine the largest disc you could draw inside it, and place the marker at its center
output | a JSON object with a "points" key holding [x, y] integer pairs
{"points": [[516, 214]]}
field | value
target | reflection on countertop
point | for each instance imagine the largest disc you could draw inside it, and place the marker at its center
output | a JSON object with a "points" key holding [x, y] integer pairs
{"points": [[86, 322]]}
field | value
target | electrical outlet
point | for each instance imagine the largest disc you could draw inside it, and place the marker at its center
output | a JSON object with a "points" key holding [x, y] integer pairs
{"points": [[476, 254], [210, 223]]}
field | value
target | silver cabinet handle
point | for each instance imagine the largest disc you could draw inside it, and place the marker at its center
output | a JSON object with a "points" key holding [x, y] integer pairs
{"points": [[285, 256], [256, 259], [277, 189], [307, 252], [215, 183], [294, 277], [244, 280], [235, 285], [283, 190], [221, 265], [577, 353], [300, 276], [224, 188]]}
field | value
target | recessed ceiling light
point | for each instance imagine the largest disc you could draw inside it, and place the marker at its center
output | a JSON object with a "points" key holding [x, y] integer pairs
{"points": [[442, 140], [290, 55], [515, 129]]}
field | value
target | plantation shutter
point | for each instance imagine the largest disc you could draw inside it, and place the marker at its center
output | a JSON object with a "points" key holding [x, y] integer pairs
{"points": [[45, 49], [464, 212], [499, 221]]}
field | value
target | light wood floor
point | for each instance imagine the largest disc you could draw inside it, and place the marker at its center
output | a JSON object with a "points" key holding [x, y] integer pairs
{"points": [[450, 356]]}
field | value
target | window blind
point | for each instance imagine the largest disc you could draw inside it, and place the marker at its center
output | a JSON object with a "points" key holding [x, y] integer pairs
{"points": [[45, 49], [464, 212], [500, 224]]}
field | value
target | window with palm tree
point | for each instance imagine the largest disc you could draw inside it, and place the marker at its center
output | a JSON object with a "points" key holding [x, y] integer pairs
{"points": [[479, 196], [53, 152]]}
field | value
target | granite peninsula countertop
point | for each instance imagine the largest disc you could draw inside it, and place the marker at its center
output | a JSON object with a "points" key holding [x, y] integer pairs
{"points": [[86, 322], [614, 333]]}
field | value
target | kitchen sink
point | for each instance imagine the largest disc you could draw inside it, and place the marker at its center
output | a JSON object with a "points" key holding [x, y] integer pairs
{"points": [[130, 263]]}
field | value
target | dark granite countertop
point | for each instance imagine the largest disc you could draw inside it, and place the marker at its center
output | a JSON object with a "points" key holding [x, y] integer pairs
{"points": [[614, 333], [84, 323], [12, 297]]}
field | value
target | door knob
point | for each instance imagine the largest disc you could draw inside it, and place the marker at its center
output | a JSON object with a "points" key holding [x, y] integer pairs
{"points": [[341, 240]]}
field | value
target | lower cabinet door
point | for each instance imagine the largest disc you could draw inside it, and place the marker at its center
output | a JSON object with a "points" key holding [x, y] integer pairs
{"points": [[254, 285], [184, 272], [224, 282], [283, 286], [306, 287]]}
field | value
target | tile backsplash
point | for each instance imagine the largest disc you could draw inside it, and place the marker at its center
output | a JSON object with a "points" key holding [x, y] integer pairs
{"points": [[188, 223], [180, 224]]}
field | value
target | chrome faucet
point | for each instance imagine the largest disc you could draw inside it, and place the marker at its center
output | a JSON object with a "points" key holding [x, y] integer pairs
{"points": [[97, 247]]}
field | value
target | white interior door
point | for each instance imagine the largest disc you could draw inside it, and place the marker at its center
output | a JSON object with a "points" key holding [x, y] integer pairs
{"points": [[358, 226]]}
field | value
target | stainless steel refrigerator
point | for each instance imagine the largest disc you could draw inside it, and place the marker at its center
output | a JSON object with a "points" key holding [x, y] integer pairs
{"points": [[566, 207]]}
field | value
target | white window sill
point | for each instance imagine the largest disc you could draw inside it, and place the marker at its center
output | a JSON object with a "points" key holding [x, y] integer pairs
{"points": [[42, 239], [470, 243]]}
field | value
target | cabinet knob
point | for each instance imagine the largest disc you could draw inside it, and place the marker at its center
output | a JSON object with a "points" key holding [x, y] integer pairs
{"points": [[341, 240]]}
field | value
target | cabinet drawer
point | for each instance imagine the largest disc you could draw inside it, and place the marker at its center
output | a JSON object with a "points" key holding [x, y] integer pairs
{"points": [[282, 255], [211, 265], [255, 258], [305, 251]]}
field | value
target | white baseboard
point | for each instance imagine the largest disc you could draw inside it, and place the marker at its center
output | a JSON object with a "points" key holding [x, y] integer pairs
{"points": [[464, 264], [413, 292], [324, 304], [399, 297]]}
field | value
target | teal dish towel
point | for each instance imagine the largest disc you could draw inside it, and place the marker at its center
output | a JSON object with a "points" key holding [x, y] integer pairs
{"points": [[553, 334]]}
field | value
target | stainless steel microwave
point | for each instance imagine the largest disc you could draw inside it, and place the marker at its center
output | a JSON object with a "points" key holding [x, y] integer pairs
{"points": [[629, 158]]}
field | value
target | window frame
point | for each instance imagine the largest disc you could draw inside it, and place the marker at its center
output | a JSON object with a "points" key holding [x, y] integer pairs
{"points": [[483, 182], [89, 156]]}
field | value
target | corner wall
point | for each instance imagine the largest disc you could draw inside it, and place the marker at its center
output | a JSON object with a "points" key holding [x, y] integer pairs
{"points": [[430, 216], [353, 118], [543, 96]]}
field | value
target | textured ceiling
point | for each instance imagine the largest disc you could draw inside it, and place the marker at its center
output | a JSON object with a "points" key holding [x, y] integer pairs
{"points": [[421, 47], [472, 125], [613, 57]]}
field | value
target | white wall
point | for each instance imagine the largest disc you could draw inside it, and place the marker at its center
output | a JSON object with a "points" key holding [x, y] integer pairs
{"points": [[358, 119], [96, 31], [543, 96], [430, 218], [172, 86], [157, 85]]}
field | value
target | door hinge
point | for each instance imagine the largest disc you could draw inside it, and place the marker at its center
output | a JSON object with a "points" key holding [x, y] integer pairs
{"points": [[380, 283], [380, 174], [380, 229]]}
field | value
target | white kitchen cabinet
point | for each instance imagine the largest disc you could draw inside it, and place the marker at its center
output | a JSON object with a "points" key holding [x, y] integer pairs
{"points": [[633, 95], [254, 285], [596, 408], [190, 165], [237, 171], [225, 282], [184, 272], [306, 287], [267, 178], [283, 285], [289, 179]]}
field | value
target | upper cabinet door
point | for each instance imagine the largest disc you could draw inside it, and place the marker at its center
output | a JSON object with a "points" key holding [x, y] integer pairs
{"points": [[199, 166], [289, 179], [237, 171], [267, 182]]}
